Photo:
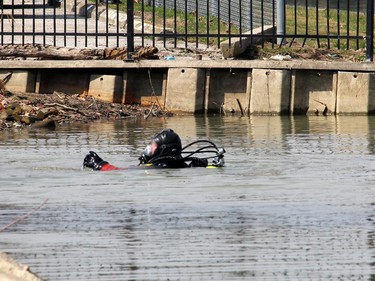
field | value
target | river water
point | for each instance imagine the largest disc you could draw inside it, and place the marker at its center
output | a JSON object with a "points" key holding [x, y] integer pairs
{"points": [[296, 201]]}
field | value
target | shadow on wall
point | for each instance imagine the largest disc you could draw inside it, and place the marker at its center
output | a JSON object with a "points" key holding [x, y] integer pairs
{"points": [[314, 93], [228, 91]]}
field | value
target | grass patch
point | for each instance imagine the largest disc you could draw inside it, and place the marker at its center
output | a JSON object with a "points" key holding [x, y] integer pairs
{"points": [[329, 26], [192, 26]]}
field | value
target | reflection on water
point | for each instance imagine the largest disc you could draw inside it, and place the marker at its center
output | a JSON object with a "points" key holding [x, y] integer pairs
{"points": [[294, 202]]}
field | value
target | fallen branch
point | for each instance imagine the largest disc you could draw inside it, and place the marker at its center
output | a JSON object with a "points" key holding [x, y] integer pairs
{"points": [[320, 102], [325, 110], [241, 108], [23, 217], [154, 94], [66, 107], [221, 108], [152, 107]]}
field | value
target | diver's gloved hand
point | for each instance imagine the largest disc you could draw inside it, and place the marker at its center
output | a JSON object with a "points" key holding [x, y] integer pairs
{"points": [[93, 161], [197, 162], [143, 159]]}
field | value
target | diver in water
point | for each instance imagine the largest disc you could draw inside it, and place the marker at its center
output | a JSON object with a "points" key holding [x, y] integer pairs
{"points": [[165, 151]]}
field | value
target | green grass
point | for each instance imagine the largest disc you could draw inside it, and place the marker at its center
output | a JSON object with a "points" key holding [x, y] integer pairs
{"points": [[181, 23], [300, 21], [319, 22]]}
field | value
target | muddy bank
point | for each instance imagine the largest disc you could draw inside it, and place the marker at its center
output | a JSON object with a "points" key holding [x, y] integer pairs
{"points": [[51, 110]]}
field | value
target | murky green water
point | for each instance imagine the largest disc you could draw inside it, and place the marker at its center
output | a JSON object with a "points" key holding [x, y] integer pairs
{"points": [[296, 201]]}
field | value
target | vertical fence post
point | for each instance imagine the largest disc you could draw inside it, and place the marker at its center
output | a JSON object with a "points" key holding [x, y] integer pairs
{"points": [[280, 21], [130, 27], [370, 31]]}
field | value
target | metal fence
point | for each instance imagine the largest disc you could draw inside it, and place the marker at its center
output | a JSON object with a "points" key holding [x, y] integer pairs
{"points": [[344, 24]]}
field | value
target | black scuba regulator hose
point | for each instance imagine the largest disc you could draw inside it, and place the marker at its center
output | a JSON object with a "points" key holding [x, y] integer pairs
{"points": [[218, 151]]}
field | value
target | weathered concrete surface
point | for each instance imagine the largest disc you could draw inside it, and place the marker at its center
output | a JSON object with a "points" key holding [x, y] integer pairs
{"points": [[145, 86], [314, 92], [270, 91], [10, 270], [356, 93], [181, 63], [185, 90], [106, 87], [256, 87], [69, 80], [20, 80], [227, 90]]}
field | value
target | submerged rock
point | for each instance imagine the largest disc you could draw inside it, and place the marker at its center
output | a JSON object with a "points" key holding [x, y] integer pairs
{"points": [[45, 123]]}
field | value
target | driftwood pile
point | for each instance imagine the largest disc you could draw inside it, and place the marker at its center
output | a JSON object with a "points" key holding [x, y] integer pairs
{"points": [[50, 110]]}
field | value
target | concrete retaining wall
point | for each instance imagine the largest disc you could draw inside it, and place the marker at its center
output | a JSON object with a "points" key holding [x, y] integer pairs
{"points": [[248, 87]]}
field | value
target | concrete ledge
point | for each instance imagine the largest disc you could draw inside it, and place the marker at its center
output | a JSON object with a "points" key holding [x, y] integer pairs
{"points": [[249, 87], [245, 64]]}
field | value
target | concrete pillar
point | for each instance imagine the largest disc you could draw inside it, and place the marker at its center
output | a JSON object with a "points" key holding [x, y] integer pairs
{"points": [[20, 80], [314, 92], [185, 90], [145, 86], [355, 93], [228, 89], [107, 88], [67, 81], [270, 92]]}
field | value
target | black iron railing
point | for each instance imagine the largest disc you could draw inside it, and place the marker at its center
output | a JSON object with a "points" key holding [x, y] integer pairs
{"points": [[345, 24]]}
